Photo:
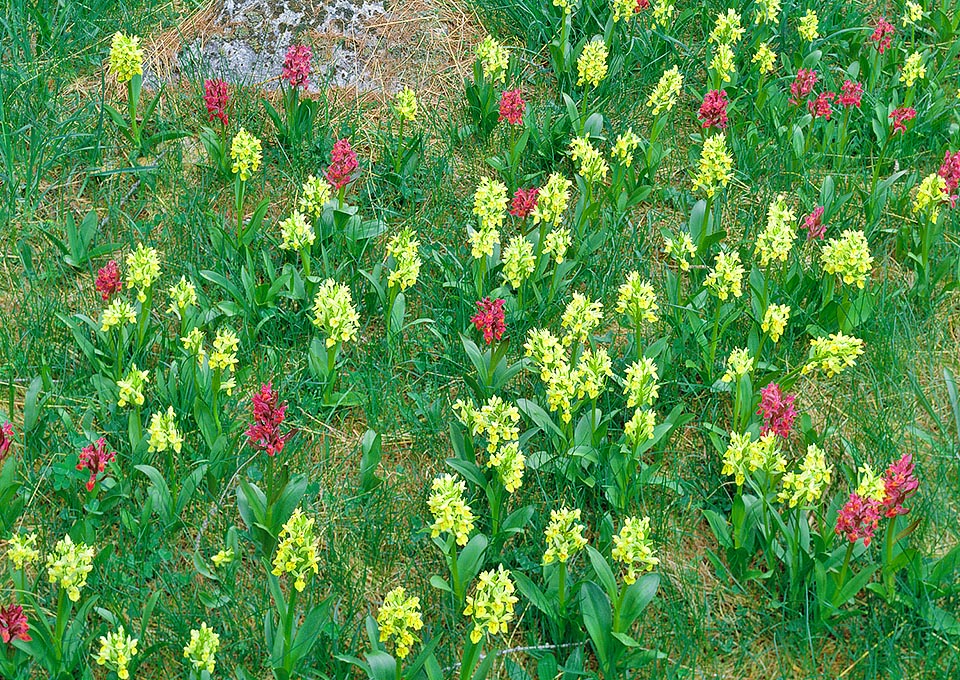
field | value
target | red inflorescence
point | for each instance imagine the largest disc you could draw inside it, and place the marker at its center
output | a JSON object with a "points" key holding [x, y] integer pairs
{"points": [[900, 483], [296, 65], [13, 624], [268, 415], [777, 411], [900, 117], [108, 281], [820, 106], [802, 85], [858, 518], [850, 93], [882, 35], [343, 163], [216, 98], [94, 458], [713, 110], [814, 224], [512, 107], [524, 201], [490, 319]]}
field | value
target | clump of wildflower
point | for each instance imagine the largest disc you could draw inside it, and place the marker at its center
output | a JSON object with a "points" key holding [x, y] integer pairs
{"points": [[509, 462], [398, 618], [775, 319], [314, 194], [857, 519], [912, 13], [820, 107], [624, 147], [814, 224], [490, 207], [295, 232], [496, 420], [767, 12], [727, 29], [519, 261], [641, 383], [182, 295], [224, 354], [713, 110], [580, 317], [682, 250], [950, 170], [556, 243], [563, 536], [545, 349], [716, 166], [268, 415], [552, 200], [849, 256], [931, 194], [404, 248], [117, 312], [851, 92], [490, 319], [640, 427], [143, 267], [22, 551], [882, 35], [202, 648], [126, 57], [623, 9], [726, 277], [69, 565], [590, 375], [776, 240], [524, 202], [117, 649], [636, 299], [491, 605], [802, 85], [223, 556], [561, 389], [872, 485], [494, 60], [108, 281], [94, 457], [722, 62], [764, 57], [450, 512], [777, 410], [739, 364], [592, 63], [216, 98], [809, 26], [193, 343], [13, 624], [405, 105], [334, 314], [512, 107], [900, 483], [163, 432], [132, 386], [633, 548], [592, 166], [297, 552], [913, 69], [808, 484], [899, 118], [343, 163], [296, 65], [833, 354], [744, 455], [662, 12], [246, 153], [664, 95]]}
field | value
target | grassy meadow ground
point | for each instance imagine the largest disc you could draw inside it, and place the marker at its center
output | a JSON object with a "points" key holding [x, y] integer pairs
{"points": [[61, 157]]}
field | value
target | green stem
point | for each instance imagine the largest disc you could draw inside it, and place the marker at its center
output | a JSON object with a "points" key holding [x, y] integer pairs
{"points": [[239, 189], [562, 600], [846, 564], [288, 630], [132, 107]]}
